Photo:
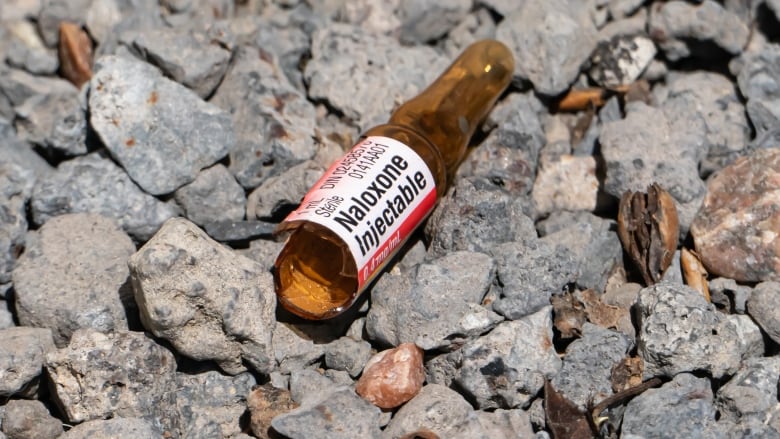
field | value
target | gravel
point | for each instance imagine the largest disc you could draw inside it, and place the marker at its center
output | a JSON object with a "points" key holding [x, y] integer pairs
{"points": [[137, 215]]}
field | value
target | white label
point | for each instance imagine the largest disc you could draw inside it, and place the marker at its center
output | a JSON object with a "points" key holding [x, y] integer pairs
{"points": [[372, 198]]}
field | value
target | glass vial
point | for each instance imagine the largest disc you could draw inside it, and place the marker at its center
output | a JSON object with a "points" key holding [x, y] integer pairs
{"points": [[359, 214]]}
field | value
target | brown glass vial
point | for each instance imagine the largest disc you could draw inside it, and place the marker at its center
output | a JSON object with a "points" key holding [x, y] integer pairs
{"points": [[316, 274]]}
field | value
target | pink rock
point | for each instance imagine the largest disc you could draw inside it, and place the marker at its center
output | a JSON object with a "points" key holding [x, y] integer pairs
{"points": [[392, 377], [736, 230]]}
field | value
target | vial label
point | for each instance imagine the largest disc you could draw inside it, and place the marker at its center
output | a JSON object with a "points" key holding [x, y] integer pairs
{"points": [[372, 198]]}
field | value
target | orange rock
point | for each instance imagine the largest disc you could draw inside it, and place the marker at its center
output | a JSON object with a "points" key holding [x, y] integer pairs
{"points": [[392, 377]]}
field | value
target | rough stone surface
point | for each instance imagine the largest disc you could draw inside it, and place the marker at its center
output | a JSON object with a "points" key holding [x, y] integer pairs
{"points": [[116, 428], [679, 331], [210, 404], [425, 20], [392, 377], [265, 403], [308, 385], [284, 191], [592, 242], [159, 131], [586, 372], [435, 305], [465, 219], [213, 196], [188, 58], [506, 367], [56, 120], [22, 355], [682, 29], [759, 82], [95, 184], [764, 307], [552, 39], [621, 60], [683, 405], [74, 275], [751, 394], [530, 271], [274, 123], [294, 351], [15, 187], [568, 183], [713, 97], [735, 229], [209, 302], [651, 146], [380, 73], [499, 424], [436, 408], [348, 354], [29, 420], [338, 414], [125, 374]]}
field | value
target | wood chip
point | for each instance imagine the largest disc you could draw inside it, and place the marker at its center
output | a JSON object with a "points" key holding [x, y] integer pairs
{"points": [[75, 53]]}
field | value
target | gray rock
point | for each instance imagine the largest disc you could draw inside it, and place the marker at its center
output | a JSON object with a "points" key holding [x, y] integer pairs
{"points": [[365, 75], [764, 306], [714, 98], [209, 302], [26, 50], [751, 428], [113, 22], [292, 351], [135, 428], [307, 386], [22, 354], [74, 275], [124, 374], [683, 406], [623, 8], [241, 231], [338, 414], [628, 26], [283, 191], [187, 57], [13, 150], [759, 82], [18, 86], [587, 366], [347, 354], [529, 271], [502, 7], [263, 251], [427, 20], [593, 244], [57, 121], [508, 156], [682, 29], [52, 12], [95, 184], [681, 332], [478, 25], [29, 420], [551, 39], [444, 368], [210, 404], [566, 182], [159, 131], [436, 408], [508, 366], [19, 9], [621, 60], [653, 146], [726, 293], [499, 424], [465, 219], [214, 196], [274, 122], [6, 318], [434, 306], [15, 188], [751, 394]]}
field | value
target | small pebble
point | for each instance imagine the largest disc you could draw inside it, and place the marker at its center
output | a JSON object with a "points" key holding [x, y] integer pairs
{"points": [[392, 377], [25, 419]]}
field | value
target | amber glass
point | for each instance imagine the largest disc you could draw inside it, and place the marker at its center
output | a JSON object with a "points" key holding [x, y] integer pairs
{"points": [[315, 275]]}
